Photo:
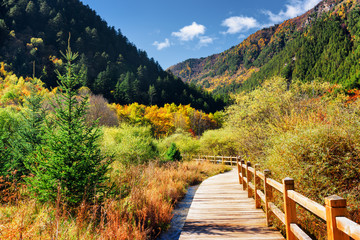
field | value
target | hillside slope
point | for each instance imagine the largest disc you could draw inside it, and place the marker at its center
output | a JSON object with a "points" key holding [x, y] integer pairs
{"points": [[32, 33], [322, 43]]}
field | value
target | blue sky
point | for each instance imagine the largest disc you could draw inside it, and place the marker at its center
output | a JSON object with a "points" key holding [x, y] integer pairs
{"points": [[173, 31]]}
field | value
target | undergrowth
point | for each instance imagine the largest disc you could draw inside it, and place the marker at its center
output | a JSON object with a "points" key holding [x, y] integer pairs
{"points": [[139, 206]]}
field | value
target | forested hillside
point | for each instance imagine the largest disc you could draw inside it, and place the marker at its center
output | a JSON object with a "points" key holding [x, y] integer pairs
{"points": [[32, 33], [322, 43]]}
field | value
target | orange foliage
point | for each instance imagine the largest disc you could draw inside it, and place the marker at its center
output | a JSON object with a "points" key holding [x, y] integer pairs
{"points": [[354, 94]]}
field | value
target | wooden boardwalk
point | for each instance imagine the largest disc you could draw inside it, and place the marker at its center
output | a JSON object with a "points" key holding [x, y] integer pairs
{"points": [[222, 210]]}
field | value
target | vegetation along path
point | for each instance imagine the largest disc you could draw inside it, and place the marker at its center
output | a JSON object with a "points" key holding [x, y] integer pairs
{"points": [[222, 210]]}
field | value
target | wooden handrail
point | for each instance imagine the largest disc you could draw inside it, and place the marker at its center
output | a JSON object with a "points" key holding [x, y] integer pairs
{"points": [[349, 227], [218, 159], [312, 206], [278, 213], [298, 232], [338, 226], [278, 186]]}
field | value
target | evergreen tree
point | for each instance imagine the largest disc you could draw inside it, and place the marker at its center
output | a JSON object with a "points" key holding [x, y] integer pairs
{"points": [[9, 128], [173, 153], [29, 137], [70, 158], [151, 93]]}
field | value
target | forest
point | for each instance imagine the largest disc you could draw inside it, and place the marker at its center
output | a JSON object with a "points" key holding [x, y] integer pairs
{"points": [[32, 33]]}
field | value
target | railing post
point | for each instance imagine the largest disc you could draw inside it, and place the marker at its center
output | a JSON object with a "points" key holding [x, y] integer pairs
{"points": [[268, 195], [335, 207], [239, 169], [222, 159], [243, 173], [248, 177], [289, 207], [256, 185], [214, 159]]}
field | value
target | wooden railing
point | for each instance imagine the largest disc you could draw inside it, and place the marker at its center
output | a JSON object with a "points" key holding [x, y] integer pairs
{"points": [[218, 159], [333, 213], [338, 226]]}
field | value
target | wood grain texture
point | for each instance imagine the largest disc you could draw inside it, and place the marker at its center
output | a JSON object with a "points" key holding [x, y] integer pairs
{"points": [[222, 210]]}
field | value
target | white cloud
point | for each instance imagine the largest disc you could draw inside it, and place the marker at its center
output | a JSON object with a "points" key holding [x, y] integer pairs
{"points": [[239, 24], [293, 9], [162, 45], [188, 33], [205, 41]]}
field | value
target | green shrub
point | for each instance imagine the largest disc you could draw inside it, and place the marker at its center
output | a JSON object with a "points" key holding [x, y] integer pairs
{"points": [[220, 142], [130, 144], [173, 153], [187, 144]]}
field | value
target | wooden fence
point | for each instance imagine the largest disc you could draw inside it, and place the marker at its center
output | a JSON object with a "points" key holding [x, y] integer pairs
{"points": [[333, 213], [218, 159]]}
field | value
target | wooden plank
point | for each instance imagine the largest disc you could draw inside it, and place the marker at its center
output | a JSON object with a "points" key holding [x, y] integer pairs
{"points": [[289, 207], [314, 207], [298, 232], [268, 196], [278, 186], [261, 195], [221, 210], [251, 169], [335, 207], [261, 175], [245, 179], [256, 185], [349, 227], [277, 212]]}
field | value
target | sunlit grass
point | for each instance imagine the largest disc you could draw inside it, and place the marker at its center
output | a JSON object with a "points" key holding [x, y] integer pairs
{"points": [[140, 207]]}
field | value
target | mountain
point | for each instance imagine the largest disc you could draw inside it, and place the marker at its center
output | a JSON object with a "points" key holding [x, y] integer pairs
{"points": [[32, 34], [322, 44]]}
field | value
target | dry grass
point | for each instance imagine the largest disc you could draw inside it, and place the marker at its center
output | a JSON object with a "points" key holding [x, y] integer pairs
{"points": [[140, 207]]}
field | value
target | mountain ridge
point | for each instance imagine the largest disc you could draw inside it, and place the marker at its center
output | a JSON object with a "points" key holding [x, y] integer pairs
{"points": [[33, 32], [228, 71]]}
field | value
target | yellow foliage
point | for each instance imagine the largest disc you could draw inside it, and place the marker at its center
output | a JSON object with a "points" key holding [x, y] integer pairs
{"points": [[13, 89], [165, 120]]}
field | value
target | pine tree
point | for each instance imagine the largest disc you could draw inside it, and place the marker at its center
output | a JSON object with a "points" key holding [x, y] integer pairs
{"points": [[173, 153], [29, 136], [70, 157]]}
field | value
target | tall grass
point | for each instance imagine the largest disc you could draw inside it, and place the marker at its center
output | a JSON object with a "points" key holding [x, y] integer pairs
{"points": [[139, 207]]}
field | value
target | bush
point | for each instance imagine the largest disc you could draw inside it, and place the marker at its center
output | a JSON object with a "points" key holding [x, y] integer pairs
{"points": [[100, 111], [187, 144], [130, 144], [220, 142], [173, 153], [324, 160]]}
